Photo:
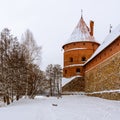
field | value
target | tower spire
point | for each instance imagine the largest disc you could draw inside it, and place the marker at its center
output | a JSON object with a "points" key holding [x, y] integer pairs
{"points": [[81, 13]]}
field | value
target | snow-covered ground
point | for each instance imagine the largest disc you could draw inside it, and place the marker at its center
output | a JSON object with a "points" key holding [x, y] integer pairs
{"points": [[73, 107]]}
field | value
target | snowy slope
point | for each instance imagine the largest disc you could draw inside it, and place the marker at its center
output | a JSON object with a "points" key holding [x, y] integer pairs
{"points": [[68, 108], [67, 80]]}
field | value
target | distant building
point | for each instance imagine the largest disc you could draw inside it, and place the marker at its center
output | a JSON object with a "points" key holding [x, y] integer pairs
{"points": [[90, 66]]}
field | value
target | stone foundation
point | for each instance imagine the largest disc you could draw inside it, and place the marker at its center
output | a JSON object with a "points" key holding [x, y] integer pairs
{"points": [[76, 85], [110, 96], [105, 76]]}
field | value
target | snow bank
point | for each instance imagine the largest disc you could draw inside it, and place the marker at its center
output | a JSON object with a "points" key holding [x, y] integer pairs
{"points": [[72, 107], [105, 91]]}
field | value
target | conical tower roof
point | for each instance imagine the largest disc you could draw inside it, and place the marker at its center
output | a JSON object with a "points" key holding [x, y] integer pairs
{"points": [[81, 32]]}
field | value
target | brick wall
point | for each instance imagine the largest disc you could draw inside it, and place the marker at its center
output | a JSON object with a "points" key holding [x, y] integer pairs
{"points": [[103, 55], [104, 76], [74, 54]]}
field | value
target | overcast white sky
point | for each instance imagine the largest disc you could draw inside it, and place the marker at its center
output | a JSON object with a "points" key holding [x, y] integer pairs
{"points": [[52, 21]]}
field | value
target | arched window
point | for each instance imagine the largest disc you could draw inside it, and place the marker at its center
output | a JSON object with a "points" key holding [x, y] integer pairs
{"points": [[83, 59]]}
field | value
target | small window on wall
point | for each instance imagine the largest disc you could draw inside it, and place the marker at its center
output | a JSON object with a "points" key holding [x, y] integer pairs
{"points": [[83, 43], [71, 59], [65, 71], [83, 59], [78, 70]]}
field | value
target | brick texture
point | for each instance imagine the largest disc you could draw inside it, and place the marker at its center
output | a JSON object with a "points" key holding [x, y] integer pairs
{"points": [[105, 76], [76, 51], [76, 84]]}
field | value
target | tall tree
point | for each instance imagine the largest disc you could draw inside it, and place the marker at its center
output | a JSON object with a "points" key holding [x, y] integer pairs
{"points": [[58, 79], [54, 74], [6, 46], [49, 74], [19, 73], [32, 55], [32, 50]]}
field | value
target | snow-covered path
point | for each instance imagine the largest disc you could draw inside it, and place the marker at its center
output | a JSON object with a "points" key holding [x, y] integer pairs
{"points": [[76, 107]]}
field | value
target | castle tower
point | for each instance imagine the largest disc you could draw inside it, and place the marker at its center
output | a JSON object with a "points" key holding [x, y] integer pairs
{"points": [[79, 48]]}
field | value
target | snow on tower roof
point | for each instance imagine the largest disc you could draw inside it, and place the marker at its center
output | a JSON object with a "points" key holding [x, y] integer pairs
{"points": [[81, 33], [108, 40]]}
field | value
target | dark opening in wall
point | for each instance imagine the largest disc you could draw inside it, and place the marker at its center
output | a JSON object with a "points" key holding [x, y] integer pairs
{"points": [[83, 59], [65, 71], [71, 59], [83, 43], [78, 70]]}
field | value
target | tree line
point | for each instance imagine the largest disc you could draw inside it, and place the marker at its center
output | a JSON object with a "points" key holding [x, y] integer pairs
{"points": [[20, 73]]}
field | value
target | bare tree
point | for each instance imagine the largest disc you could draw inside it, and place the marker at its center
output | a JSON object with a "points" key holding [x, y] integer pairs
{"points": [[36, 82], [17, 64], [54, 74], [6, 46], [19, 73], [32, 50], [58, 79], [49, 74], [32, 55]]}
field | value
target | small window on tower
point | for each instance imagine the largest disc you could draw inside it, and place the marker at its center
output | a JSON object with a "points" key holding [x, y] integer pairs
{"points": [[71, 59], [83, 43], [65, 71], [83, 59], [78, 70]]}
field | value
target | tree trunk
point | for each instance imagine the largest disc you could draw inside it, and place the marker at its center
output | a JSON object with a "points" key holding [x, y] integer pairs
{"points": [[17, 97], [4, 98], [8, 100], [51, 87]]}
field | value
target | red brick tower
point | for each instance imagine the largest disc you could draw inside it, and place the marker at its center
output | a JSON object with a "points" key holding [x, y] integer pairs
{"points": [[79, 48]]}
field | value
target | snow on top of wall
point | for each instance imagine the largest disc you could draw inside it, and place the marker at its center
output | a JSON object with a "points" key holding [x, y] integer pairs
{"points": [[81, 33], [67, 80], [74, 65], [108, 40], [75, 49], [105, 91]]}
